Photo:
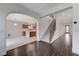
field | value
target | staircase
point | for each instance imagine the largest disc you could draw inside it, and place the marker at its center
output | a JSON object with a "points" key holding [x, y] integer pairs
{"points": [[60, 45], [43, 25], [49, 33], [52, 30]]}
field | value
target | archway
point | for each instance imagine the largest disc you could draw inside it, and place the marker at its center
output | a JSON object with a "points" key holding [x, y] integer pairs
{"points": [[21, 29]]}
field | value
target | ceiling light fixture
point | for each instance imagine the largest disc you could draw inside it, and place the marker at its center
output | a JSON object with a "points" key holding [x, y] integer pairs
{"points": [[15, 24], [63, 14]]}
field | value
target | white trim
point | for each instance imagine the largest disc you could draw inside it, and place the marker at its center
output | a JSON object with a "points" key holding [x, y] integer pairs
{"points": [[38, 32], [73, 51]]}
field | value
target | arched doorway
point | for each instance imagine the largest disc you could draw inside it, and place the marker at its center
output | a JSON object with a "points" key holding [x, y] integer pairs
{"points": [[21, 29]]}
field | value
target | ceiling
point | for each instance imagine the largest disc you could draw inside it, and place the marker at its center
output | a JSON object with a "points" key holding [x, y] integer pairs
{"points": [[21, 18], [64, 16], [39, 8]]}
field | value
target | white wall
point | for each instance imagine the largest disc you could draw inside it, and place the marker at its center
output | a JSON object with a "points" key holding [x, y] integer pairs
{"points": [[14, 31], [43, 24], [75, 37], [5, 9], [2, 34], [63, 18]]}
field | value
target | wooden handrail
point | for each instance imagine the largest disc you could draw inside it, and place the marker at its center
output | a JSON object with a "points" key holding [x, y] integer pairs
{"points": [[52, 29]]}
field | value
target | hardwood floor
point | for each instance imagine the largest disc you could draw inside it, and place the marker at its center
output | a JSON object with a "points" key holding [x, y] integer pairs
{"points": [[74, 54], [63, 46], [35, 49]]}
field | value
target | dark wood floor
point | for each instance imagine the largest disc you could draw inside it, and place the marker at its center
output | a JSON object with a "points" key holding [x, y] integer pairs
{"points": [[35, 49], [60, 47]]}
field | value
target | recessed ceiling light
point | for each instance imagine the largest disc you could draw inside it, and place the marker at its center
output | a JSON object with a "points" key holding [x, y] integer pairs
{"points": [[15, 24], [63, 14]]}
